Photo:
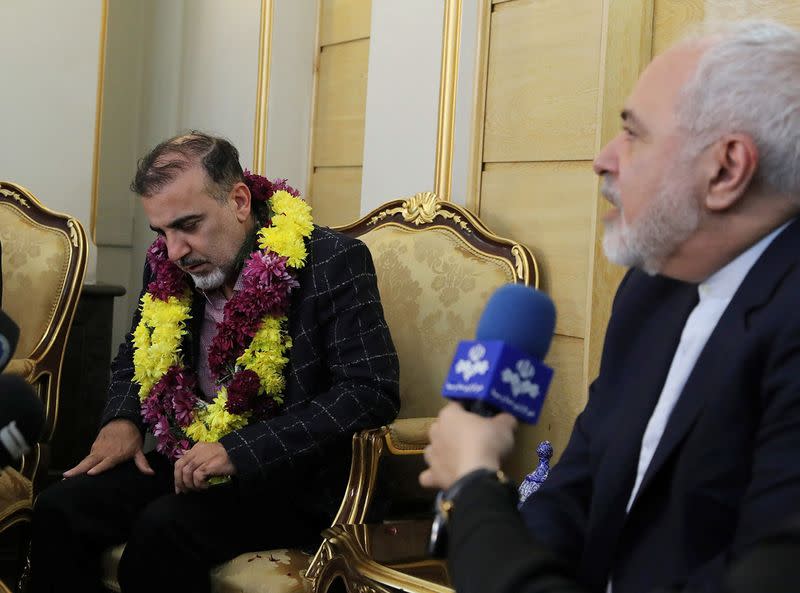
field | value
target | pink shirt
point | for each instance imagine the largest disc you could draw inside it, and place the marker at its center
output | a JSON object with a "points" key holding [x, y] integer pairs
{"points": [[215, 306]]}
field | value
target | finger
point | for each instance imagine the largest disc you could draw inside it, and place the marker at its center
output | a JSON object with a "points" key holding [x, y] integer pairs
{"points": [[186, 472], [427, 454], [506, 420], [426, 479], [105, 464], [86, 463], [178, 474], [141, 462], [199, 479]]}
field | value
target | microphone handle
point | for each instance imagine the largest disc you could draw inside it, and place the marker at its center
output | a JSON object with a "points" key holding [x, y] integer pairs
{"points": [[481, 408]]}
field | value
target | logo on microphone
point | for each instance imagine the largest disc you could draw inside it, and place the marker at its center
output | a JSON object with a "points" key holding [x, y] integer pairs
{"points": [[520, 381], [474, 364]]}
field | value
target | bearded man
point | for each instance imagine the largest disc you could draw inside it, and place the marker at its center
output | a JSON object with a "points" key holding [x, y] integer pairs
{"points": [[259, 348], [686, 452]]}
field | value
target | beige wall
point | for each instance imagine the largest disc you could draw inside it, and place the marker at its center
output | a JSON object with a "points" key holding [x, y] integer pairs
{"points": [[50, 63]]}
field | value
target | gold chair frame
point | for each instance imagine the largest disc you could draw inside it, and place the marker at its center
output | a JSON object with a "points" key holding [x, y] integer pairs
{"points": [[345, 551], [44, 362]]}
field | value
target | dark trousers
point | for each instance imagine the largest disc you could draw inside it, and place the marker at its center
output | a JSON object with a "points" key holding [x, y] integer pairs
{"points": [[172, 539]]}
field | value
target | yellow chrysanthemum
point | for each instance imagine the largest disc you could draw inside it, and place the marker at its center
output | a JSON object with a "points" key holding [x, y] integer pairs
{"points": [[291, 211], [213, 421], [265, 356], [157, 339]]}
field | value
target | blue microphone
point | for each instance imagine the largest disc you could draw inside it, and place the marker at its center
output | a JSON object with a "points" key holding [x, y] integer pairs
{"points": [[502, 369]]}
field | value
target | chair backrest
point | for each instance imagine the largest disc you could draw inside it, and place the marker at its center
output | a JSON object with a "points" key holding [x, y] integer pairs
{"points": [[437, 265], [43, 263]]}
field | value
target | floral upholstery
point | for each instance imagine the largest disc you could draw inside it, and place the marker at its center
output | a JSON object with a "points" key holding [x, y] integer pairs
{"points": [[35, 266], [272, 571], [433, 287]]}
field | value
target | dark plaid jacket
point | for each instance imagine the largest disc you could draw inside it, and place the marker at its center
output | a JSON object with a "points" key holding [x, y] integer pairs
{"points": [[342, 376]]}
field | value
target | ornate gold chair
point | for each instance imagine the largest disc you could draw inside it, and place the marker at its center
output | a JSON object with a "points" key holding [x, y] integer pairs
{"points": [[43, 264], [437, 264]]}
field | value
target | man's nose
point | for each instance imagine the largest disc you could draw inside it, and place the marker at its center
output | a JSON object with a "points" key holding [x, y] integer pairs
{"points": [[177, 248], [606, 159]]}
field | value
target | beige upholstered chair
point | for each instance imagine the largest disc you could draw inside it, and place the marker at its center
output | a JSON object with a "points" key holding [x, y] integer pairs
{"points": [[437, 265], [44, 262]]}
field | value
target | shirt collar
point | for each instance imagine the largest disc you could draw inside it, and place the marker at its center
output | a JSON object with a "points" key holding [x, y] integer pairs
{"points": [[724, 283]]}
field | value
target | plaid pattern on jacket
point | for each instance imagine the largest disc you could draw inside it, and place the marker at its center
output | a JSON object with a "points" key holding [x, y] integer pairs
{"points": [[342, 376]]}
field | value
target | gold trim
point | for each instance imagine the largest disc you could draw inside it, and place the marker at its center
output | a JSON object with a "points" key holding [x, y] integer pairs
{"points": [[365, 567], [479, 101], [451, 39], [421, 208], [73, 232], [15, 196], [262, 87], [98, 119]]}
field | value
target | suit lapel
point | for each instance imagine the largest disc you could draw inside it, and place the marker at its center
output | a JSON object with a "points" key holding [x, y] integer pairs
{"points": [[656, 340], [756, 291]]}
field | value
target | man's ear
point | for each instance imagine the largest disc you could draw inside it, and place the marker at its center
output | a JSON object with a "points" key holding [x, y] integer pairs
{"points": [[242, 201], [734, 160]]}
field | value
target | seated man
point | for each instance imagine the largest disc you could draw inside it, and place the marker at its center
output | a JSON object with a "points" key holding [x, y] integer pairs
{"points": [[259, 348], [686, 452]]}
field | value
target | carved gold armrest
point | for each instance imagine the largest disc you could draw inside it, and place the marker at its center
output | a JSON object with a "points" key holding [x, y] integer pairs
{"points": [[22, 367]]}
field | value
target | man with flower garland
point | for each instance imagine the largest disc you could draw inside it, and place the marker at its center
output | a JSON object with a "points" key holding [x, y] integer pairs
{"points": [[258, 349]]}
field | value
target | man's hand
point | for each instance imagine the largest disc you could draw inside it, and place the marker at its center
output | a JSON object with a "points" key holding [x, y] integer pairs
{"points": [[461, 442], [201, 462], [118, 441]]}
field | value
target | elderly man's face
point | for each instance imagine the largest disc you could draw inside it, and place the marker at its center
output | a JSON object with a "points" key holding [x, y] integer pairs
{"points": [[203, 235], [647, 173]]}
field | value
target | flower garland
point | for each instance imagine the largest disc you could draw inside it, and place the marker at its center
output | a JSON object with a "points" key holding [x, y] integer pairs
{"points": [[249, 352]]}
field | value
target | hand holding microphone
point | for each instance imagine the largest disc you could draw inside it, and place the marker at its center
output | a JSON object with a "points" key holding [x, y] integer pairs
{"points": [[499, 375]]}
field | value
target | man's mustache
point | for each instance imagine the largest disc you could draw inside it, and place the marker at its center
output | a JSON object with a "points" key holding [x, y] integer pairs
{"points": [[185, 262], [609, 191]]}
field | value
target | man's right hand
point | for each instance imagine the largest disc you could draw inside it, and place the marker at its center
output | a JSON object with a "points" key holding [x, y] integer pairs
{"points": [[118, 441]]}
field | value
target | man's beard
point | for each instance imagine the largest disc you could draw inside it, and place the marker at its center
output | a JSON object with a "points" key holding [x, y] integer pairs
{"points": [[220, 274], [670, 218]]}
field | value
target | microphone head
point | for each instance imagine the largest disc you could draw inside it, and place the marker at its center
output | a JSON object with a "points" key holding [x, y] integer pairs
{"points": [[20, 404], [520, 316], [9, 336]]}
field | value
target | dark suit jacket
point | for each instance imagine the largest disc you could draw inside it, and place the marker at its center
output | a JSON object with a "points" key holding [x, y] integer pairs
{"points": [[491, 551], [726, 469], [342, 377]]}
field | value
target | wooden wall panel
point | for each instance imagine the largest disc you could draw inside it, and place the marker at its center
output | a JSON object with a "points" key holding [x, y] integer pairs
{"points": [[344, 20], [547, 206], [340, 105], [564, 402], [674, 17], [337, 195], [541, 100]]}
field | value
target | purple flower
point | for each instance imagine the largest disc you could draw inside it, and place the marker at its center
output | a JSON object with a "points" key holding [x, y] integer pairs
{"points": [[242, 391], [169, 280], [281, 184], [161, 427]]}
